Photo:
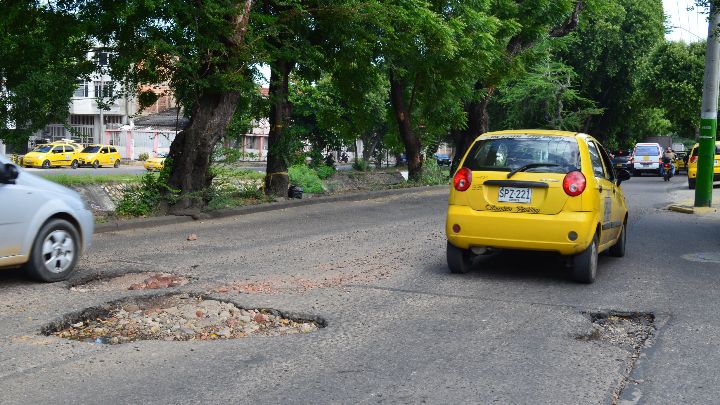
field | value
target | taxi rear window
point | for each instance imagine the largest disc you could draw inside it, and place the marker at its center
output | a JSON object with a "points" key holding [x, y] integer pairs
{"points": [[509, 152]]}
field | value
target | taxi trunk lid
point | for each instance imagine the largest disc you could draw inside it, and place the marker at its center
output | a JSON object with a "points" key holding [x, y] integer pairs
{"points": [[533, 193]]}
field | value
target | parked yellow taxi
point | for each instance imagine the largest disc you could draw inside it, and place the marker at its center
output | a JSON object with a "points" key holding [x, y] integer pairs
{"points": [[52, 155], [537, 190], [693, 162], [99, 155], [156, 163]]}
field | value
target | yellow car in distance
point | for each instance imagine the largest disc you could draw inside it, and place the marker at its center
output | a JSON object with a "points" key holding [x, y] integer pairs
{"points": [[52, 155], [155, 163], [693, 162], [99, 155], [537, 190]]}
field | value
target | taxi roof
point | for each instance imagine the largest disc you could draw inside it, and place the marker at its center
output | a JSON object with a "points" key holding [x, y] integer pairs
{"points": [[545, 132]]}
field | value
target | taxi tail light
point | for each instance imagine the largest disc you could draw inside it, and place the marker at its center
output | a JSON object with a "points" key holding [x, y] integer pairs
{"points": [[462, 179], [574, 183], [693, 159]]}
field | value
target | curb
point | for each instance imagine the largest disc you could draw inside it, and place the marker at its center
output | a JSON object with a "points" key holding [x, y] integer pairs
{"points": [[681, 208], [151, 222]]}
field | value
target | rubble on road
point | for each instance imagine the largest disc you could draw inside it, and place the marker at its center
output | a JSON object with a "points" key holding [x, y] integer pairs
{"points": [[181, 318]]}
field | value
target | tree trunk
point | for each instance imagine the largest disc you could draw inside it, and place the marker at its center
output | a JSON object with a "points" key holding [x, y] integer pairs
{"points": [[277, 180], [407, 135], [192, 148], [478, 122]]}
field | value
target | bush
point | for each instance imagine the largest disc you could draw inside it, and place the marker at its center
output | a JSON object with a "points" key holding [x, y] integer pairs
{"points": [[433, 174], [143, 156], [324, 171], [145, 198], [361, 165], [305, 177]]}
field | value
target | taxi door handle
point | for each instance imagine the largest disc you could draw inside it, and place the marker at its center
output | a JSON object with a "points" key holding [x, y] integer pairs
{"points": [[600, 189]]}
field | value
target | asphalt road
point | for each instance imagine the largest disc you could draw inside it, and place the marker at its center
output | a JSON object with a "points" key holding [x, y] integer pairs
{"points": [[400, 328]]}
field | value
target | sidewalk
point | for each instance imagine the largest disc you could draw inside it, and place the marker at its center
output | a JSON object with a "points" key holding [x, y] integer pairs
{"points": [[685, 199]]}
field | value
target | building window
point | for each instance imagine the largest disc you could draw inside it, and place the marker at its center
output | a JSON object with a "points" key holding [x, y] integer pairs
{"points": [[87, 120], [82, 89], [103, 58], [104, 89]]}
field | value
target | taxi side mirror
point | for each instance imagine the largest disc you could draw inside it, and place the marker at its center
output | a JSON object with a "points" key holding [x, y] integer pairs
{"points": [[8, 173], [623, 175]]}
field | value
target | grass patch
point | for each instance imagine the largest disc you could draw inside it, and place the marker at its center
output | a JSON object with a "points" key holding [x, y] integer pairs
{"points": [[305, 177], [88, 179]]}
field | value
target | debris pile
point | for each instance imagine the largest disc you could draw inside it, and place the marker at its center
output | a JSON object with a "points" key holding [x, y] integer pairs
{"points": [[180, 318]]}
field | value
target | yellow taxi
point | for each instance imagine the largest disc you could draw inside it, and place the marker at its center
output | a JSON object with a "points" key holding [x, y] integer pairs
{"points": [[52, 155], [679, 162], [537, 190], [99, 155], [693, 162], [156, 163]]}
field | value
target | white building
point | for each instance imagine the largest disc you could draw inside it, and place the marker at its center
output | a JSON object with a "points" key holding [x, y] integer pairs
{"points": [[87, 123]]}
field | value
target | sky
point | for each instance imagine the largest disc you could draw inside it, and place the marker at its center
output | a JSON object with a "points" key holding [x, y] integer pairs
{"points": [[690, 26]]}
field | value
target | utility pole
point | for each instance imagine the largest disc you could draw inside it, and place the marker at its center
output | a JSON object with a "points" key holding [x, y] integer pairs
{"points": [[708, 116]]}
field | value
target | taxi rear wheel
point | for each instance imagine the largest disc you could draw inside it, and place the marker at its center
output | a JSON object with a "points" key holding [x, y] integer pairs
{"points": [[46, 164], [618, 249], [96, 164], [585, 263], [459, 260], [116, 164], [691, 184]]}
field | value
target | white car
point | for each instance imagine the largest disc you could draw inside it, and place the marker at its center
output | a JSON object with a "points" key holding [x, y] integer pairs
{"points": [[647, 158], [44, 226]]}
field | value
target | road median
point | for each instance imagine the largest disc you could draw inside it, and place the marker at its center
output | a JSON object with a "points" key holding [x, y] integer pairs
{"points": [[150, 222]]}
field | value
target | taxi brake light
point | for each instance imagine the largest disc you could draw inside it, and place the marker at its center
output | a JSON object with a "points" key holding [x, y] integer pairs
{"points": [[462, 179], [574, 183]]}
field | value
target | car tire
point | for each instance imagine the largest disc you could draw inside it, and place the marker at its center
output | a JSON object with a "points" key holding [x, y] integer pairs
{"points": [[74, 164], [96, 164], [459, 260], [46, 164], [116, 164], [618, 249], [585, 263], [691, 184], [58, 239]]}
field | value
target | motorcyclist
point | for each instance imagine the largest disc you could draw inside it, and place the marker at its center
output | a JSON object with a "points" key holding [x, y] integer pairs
{"points": [[669, 157]]}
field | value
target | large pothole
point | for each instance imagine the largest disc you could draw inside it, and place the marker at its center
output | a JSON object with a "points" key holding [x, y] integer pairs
{"points": [[132, 281], [178, 317], [632, 331]]}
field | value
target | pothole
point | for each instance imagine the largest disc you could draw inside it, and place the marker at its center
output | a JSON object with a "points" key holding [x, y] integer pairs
{"points": [[132, 281], [179, 317], [703, 257], [632, 331]]}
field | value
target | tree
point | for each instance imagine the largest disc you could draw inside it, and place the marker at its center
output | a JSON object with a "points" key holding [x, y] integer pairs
{"points": [[522, 26], [201, 51], [671, 79], [606, 51], [545, 97], [43, 53]]}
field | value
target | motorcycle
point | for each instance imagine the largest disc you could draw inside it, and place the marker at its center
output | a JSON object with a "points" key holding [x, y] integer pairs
{"points": [[667, 171]]}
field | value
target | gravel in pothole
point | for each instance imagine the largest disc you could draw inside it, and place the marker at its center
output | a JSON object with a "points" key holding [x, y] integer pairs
{"points": [[133, 281], [629, 331], [179, 318]]}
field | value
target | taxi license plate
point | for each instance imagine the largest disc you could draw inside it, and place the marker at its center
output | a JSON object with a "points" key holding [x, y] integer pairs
{"points": [[515, 195]]}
